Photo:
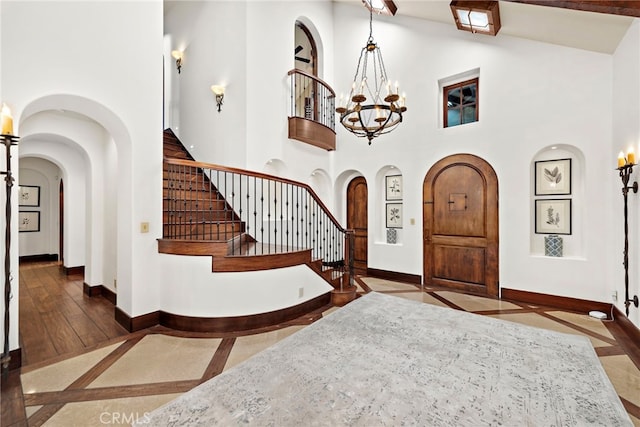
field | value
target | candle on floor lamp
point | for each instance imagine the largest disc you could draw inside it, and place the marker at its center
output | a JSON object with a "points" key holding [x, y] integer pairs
{"points": [[6, 121], [631, 156]]}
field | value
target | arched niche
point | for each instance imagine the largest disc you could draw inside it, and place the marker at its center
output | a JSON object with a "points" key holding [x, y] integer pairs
{"points": [[320, 182], [388, 199], [547, 195]]}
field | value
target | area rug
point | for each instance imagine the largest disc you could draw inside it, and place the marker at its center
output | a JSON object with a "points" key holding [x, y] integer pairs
{"points": [[387, 361]]}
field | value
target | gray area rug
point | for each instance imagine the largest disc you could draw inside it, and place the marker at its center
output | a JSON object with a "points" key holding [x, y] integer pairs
{"points": [[387, 361]]}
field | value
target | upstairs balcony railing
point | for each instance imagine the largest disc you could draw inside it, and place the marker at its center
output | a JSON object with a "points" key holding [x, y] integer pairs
{"points": [[312, 116], [255, 213]]}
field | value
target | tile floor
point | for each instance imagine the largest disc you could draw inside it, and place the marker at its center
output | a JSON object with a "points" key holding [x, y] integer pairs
{"points": [[120, 382]]}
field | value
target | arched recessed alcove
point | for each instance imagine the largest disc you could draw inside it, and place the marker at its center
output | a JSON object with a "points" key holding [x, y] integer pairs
{"points": [[275, 167], [388, 202], [557, 189], [320, 182]]}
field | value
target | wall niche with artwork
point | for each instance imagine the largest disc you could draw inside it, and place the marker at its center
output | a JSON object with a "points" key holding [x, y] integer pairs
{"points": [[557, 194], [390, 198]]}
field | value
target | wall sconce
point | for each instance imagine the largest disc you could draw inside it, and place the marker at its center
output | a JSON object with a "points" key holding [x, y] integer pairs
{"points": [[218, 91], [178, 54], [625, 168], [476, 16]]}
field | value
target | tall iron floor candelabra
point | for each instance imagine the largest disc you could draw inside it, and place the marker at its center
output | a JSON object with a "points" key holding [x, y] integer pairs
{"points": [[8, 141], [625, 173]]}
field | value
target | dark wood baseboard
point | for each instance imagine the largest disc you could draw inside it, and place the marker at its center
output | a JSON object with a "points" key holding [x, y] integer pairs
{"points": [[564, 303], [631, 333], [79, 270], [38, 258], [415, 279], [15, 361], [220, 324], [134, 324], [100, 290]]}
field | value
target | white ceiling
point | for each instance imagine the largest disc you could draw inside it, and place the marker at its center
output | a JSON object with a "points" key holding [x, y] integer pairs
{"points": [[597, 32]]}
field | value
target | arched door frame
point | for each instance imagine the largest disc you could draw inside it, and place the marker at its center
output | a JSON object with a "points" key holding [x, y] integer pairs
{"points": [[490, 182]]}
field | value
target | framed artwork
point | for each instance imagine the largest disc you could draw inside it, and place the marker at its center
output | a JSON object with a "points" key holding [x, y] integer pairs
{"points": [[553, 216], [553, 177], [29, 195], [28, 221], [394, 215], [393, 187]]}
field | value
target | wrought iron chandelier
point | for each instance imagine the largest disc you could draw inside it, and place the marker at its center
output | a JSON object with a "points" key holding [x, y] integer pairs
{"points": [[374, 106]]}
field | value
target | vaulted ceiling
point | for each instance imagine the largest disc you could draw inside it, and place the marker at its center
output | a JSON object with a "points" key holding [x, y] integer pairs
{"points": [[595, 25]]}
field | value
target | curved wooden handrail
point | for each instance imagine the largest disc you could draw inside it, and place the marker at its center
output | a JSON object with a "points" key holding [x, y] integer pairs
{"points": [[202, 165], [314, 78]]}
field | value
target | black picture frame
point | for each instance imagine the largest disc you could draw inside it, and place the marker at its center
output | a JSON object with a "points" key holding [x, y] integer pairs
{"points": [[553, 177], [29, 195], [28, 221], [394, 215], [553, 216], [393, 187]]}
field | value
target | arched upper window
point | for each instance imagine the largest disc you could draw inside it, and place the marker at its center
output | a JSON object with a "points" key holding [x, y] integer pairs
{"points": [[305, 52]]}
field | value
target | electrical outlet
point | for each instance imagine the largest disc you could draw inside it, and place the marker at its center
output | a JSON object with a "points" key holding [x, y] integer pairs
{"points": [[115, 284], [300, 292], [614, 296], [144, 227]]}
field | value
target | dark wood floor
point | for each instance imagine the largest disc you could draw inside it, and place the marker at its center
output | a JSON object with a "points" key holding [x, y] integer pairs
{"points": [[57, 318]]}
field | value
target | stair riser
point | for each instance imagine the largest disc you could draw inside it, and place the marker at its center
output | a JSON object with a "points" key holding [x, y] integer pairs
{"points": [[199, 204], [224, 231], [193, 216]]}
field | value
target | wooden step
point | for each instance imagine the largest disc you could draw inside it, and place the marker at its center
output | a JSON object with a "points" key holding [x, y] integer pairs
{"points": [[241, 244], [192, 247], [260, 262], [205, 231]]}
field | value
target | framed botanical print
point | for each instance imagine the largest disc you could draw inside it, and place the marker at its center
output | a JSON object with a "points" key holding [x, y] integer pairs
{"points": [[553, 177], [393, 187], [394, 215], [29, 195], [553, 216], [28, 221]]}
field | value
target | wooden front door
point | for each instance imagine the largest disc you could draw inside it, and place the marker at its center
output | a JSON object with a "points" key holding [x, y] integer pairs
{"points": [[460, 219], [357, 197]]}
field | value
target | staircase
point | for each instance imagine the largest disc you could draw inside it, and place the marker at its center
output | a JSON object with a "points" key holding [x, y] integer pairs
{"points": [[248, 221]]}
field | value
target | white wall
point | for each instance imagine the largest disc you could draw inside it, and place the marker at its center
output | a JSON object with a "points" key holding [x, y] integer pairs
{"points": [[532, 95], [73, 164], [45, 175], [101, 59]]}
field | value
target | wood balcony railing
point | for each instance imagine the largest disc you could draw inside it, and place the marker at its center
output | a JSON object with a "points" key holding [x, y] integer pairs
{"points": [[254, 213], [313, 110]]}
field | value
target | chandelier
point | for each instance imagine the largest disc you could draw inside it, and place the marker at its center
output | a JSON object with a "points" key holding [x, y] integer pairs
{"points": [[374, 106]]}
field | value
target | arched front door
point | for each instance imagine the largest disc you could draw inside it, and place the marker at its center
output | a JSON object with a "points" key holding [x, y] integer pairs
{"points": [[460, 220], [357, 197]]}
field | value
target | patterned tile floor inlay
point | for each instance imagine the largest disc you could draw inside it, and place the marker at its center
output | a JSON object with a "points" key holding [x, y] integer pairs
{"points": [[120, 382]]}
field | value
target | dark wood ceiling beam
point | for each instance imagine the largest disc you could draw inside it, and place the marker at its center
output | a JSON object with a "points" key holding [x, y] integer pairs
{"points": [[612, 7]]}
